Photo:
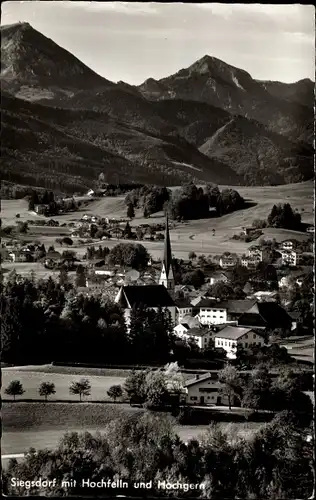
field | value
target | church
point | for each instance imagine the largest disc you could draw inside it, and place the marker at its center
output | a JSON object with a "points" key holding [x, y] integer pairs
{"points": [[152, 296]]}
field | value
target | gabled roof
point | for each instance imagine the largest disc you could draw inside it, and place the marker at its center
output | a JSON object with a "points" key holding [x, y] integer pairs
{"points": [[232, 332], [185, 325], [201, 378], [268, 314], [148, 295], [181, 303], [237, 306], [197, 332]]}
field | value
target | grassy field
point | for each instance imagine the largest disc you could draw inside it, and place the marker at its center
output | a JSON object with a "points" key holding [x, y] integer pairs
{"points": [[194, 236], [41, 425], [31, 381]]}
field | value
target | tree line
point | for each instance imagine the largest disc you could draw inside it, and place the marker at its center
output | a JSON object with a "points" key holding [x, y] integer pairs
{"points": [[188, 202], [275, 461], [192, 202], [64, 325]]}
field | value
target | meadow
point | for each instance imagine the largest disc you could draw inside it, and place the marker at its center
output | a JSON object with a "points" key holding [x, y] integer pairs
{"points": [[42, 425], [189, 236]]}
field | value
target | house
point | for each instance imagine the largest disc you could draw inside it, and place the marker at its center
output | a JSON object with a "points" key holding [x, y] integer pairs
{"points": [[235, 308], [266, 316], [151, 296], [201, 336], [228, 261], [291, 257], [233, 336], [288, 244], [249, 262], [42, 209], [183, 308], [205, 389], [257, 253], [211, 311], [218, 277]]}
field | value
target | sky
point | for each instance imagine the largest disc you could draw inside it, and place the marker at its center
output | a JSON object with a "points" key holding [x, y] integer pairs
{"points": [[135, 41]]}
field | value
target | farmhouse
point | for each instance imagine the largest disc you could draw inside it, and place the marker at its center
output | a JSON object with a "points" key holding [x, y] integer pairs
{"points": [[232, 336], [183, 308], [228, 261], [218, 277], [266, 316], [211, 311], [204, 390], [235, 308], [200, 335]]}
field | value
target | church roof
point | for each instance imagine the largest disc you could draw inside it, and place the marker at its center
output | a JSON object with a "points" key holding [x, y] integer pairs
{"points": [[148, 295]]}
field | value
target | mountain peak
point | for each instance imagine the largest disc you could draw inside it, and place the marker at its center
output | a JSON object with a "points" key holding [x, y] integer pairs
{"points": [[30, 58]]}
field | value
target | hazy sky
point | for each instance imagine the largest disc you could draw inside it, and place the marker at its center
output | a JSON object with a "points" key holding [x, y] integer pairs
{"points": [[132, 42]]}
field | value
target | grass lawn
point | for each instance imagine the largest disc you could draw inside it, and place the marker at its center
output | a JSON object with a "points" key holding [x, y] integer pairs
{"points": [[31, 381]]}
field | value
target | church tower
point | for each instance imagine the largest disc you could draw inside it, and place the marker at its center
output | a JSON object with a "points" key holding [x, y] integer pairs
{"points": [[166, 275]]}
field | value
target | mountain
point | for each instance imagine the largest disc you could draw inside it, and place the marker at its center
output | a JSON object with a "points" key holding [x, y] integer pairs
{"points": [[253, 152], [212, 81], [62, 124], [68, 149], [33, 66], [301, 92]]}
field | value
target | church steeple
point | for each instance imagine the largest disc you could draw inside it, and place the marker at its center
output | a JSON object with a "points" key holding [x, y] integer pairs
{"points": [[166, 275]]}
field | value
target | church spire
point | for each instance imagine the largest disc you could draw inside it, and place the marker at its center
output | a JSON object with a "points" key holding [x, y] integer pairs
{"points": [[166, 275], [167, 256]]}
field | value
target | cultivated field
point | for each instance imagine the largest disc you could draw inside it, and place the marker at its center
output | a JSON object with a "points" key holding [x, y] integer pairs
{"points": [[194, 236]]}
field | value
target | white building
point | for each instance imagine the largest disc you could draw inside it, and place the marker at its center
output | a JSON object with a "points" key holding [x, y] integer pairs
{"points": [[288, 245], [291, 257], [211, 312], [201, 336], [205, 390], [183, 308], [227, 262], [218, 277], [250, 262], [232, 336]]}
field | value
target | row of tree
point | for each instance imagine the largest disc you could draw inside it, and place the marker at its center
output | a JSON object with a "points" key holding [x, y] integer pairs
{"points": [[80, 388]]}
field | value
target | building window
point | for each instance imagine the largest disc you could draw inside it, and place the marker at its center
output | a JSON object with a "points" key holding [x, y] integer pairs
{"points": [[254, 336], [246, 344]]}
